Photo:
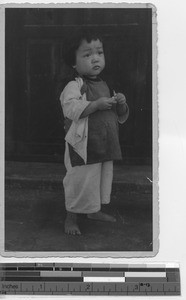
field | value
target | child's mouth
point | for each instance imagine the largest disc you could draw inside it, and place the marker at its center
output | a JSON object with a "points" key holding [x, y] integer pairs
{"points": [[96, 67]]}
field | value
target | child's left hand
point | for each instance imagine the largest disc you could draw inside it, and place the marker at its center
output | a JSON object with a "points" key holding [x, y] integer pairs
{"points": [[120, 98], [121, 106]]}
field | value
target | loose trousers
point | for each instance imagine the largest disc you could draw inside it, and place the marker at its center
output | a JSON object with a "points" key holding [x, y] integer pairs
{"points": [[87, 187]]}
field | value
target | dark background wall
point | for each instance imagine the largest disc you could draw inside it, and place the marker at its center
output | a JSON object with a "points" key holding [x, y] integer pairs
{"points": [[34, 65]]}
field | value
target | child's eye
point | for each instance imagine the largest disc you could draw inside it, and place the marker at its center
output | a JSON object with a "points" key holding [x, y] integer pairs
{"points": [[100, 52], [87, 55]]}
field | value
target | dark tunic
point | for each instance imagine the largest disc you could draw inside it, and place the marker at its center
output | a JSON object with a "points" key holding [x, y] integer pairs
{"points": [[103, 140]]}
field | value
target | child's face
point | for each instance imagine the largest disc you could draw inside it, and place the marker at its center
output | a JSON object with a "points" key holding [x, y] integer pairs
{"points": [[90, 59]]}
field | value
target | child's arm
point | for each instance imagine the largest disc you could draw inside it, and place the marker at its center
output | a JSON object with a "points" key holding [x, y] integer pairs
{"points": [[122, 109], [102, 103], [75, 108], [72, 102]]}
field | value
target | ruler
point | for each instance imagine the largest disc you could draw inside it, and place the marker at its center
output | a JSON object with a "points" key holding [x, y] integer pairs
{"points": [[89, 279]]}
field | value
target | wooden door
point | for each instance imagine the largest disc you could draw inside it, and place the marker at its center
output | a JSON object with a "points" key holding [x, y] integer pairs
{"points": [[35, 66]]}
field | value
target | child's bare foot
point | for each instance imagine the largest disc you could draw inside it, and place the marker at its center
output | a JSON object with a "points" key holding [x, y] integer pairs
{"points": [[100, 216], [71, 226]]}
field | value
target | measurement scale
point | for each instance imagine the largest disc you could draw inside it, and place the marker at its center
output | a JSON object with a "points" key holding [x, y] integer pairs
{"points": [[89, 279]]}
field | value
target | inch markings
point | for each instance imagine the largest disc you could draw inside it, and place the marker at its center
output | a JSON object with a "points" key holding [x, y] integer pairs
{"points": [[63, 279]]}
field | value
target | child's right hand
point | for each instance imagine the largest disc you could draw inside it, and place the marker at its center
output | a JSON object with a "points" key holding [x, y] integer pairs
{"points": [[105, 103]]}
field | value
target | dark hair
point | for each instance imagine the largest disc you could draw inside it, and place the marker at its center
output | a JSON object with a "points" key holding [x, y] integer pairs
{"points": [[73, 42]]}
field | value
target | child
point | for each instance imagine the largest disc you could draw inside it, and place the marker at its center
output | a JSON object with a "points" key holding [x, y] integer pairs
{"points": [[91, 122]]}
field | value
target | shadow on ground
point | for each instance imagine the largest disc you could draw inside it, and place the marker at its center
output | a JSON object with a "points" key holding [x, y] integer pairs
{"points": [[35, 222]]}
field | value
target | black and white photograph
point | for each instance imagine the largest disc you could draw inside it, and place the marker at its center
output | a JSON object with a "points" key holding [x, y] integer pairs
{"points": [[81, 130]]}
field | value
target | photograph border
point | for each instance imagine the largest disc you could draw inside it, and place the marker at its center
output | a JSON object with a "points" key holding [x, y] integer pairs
{"points": [[155, 188]]}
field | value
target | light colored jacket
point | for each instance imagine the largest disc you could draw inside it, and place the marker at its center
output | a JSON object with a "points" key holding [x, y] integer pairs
{"points": [[73, 104]]}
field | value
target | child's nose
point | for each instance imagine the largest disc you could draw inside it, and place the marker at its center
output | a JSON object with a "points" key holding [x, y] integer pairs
{"points": [[95, 58]]}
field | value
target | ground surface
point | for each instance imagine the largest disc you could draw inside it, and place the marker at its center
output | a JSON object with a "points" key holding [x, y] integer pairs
{"points": [[35, 222]]}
